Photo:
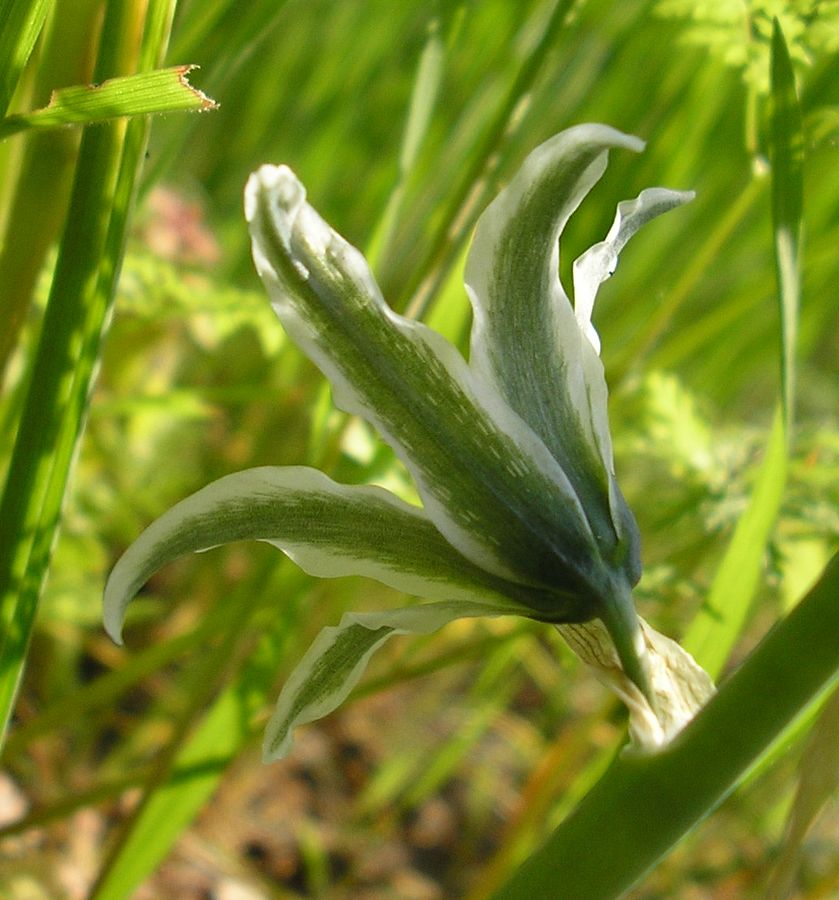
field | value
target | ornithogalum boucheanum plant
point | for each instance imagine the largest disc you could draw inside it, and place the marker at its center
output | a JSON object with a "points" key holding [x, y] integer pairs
{"points": [[510, 452]]}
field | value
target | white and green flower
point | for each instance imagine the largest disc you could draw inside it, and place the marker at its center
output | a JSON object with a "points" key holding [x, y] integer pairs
{"points": [[510, 452]]}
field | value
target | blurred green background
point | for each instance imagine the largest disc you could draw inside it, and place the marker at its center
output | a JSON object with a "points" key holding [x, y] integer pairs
{"points": [[137, 767]]}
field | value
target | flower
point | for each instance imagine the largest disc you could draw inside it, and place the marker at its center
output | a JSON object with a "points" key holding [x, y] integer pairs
{"points": [[510, 453]]}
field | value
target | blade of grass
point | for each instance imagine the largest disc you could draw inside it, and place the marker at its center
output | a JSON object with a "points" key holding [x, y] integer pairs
{"points": [[77, 314], [144, 93], [38, 196], [645, 804], [462, 207], [20, 26], [786, 151], [721, 620], [423, 98], [190, 771], [718, 624]]}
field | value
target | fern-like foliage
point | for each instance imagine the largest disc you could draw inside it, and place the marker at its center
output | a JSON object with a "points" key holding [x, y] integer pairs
{"points": [[739, 32]]}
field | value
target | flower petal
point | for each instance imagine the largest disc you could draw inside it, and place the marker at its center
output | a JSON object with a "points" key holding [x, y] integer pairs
{"points": [[525, 338], [600, 261], [487, 481], [680, 686], [328, 529], [336, 660]]}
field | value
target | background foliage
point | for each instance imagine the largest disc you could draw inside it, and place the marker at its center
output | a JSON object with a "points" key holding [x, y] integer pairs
{"points": [[137, 767]]}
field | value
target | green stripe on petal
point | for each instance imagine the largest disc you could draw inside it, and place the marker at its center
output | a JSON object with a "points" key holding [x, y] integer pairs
{"points": [[336, 660], [328, 529], [525, 338], [487, 481]]}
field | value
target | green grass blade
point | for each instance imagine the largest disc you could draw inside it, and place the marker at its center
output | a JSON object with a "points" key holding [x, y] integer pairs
{"points": [[77, 313], [173, 806], [188, 773], [645, 804], [423, 98], [145, 93], [786, 151], [717, 626], [462, 208], [20, 26]]}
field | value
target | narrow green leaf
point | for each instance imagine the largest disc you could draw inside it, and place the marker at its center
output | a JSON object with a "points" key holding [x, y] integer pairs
{"points": [[78, 310], [170, 809], [722, 618], [645, 803], [786, 155], [328, 529], [486, 480], [20, 24], [718, 624], [423, 98], [336, 660], [818, 780], [161, 91]]}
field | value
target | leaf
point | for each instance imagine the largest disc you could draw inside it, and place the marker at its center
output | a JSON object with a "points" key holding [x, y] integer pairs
{"points": [[786, 152], [487, 481], [336, 660], [328, 529], [718, 624], [20, 25], [160, 91], [818, 780]]}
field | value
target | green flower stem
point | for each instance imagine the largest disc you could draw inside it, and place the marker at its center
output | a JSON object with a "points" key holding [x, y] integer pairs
{"points": [[645, 804], [621, 622]]}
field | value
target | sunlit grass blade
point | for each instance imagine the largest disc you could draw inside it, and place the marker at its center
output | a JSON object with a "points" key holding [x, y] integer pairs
{"points": [[20, 25], [818, 780], [459, 211], [646, 803], [145, 93], [717, 626], [423, 98], [65, 362], [786, 151], [721, 620], [187, 772]]}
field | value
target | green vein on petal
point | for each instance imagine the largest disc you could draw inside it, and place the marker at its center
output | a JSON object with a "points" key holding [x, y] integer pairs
{"points": [[525, 339], [487, 481], [336, 660], [328, 529]]}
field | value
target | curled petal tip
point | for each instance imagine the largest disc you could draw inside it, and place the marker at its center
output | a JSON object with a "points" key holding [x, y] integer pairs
{"points": [[277, 182]]}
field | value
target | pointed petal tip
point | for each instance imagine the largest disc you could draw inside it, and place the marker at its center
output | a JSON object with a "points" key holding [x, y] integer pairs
{"points": [[114, 604], [606, 135], [274, 750], [279, 183], [113, 623]]}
